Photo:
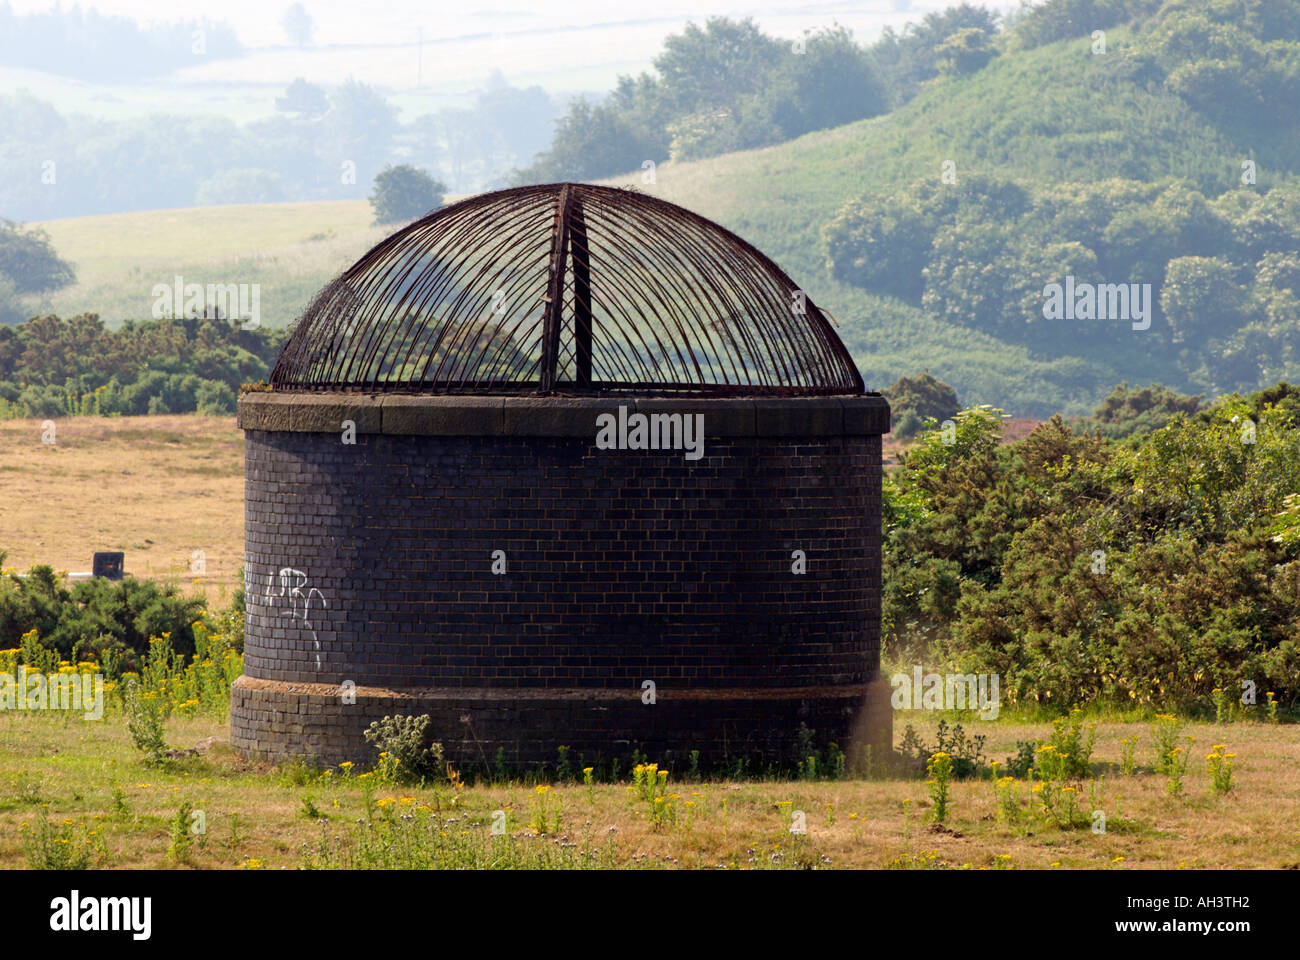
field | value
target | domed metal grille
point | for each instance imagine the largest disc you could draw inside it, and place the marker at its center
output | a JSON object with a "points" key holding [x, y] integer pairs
{"points": [[565, 288]]}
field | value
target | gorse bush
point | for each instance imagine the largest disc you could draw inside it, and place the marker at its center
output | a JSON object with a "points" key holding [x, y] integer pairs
{"points": [[97, 619], [52, 367], [1080, 570]]}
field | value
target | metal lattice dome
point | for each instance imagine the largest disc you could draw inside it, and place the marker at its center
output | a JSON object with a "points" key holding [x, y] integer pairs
{"points": [[565, 288]]}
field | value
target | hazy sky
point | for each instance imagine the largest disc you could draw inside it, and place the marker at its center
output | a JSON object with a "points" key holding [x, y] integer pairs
{"points": [[394, 21], [558, 43]]}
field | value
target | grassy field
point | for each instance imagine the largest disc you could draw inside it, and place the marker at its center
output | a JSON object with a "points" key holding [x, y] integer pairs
{"points": [[85, 775], [158, 488], [290, 249]]}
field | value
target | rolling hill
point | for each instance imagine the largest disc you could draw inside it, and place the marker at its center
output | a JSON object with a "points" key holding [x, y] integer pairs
{"points": [[1053, 115]]}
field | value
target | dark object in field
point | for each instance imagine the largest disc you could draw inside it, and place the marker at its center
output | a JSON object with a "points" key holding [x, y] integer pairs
{"points": [[109, 565]]}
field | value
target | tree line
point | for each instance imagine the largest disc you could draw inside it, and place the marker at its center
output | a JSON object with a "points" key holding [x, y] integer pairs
{"points": [[53, 367], [1150, 572]]}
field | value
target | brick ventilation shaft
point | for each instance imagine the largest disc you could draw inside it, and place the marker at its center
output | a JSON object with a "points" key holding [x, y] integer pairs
{"points": [[432, 527]]}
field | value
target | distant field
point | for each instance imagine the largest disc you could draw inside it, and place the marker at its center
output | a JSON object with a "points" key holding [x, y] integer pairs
{"points": [[290, 249], [157, 488]]}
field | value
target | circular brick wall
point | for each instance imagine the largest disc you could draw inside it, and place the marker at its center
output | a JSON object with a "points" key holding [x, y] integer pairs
{"points": [[482, 560]]}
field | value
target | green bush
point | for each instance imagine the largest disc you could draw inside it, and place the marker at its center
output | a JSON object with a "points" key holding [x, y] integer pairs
{"points": [[214, 399], [402, 739], [1080, 570], [93, 616], [914, 399]]}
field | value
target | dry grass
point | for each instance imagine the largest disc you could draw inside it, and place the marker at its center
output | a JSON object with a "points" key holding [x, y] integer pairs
{"points": [[74, 767], [157, 488]]}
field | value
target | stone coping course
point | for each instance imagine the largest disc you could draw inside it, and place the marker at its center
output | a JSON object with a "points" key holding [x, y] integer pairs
{"points": [[560, 416]]}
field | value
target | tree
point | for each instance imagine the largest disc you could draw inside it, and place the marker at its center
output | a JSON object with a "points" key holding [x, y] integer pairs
{"points": [[964, 52], [11, 310], [1201, 298], [403, 193], [882, 245], [1068, 20], [298, 25], [359, 128], [590, 141], [717, 65], [303, 98], [913, 399], [906, 60], [28, 261], [831, 83]]}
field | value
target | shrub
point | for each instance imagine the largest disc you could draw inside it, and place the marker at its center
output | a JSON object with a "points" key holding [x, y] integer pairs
{"points": [[95, 616], [921, 397], [403, 740], [214, 399]]}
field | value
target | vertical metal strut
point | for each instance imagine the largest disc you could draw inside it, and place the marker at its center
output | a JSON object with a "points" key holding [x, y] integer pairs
{"points": [[580, 252], [555, 289]]}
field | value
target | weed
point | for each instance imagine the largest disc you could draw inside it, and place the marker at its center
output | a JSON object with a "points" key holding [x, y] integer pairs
{"points": [[146, 713], [1008, 795], [1220, 765], [1176, 767], [1165, 732], [546, 810], [401, 741], [178, 848], [940, 770], [1128, 755], [63, 846]]}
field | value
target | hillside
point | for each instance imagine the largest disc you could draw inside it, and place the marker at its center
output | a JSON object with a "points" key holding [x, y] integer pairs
{"points": [[290, 249], [1052, 115], [1042, 118]]}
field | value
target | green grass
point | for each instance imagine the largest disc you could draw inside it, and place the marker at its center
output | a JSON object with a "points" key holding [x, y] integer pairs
{"points": [[60, 768], [290, 249]]}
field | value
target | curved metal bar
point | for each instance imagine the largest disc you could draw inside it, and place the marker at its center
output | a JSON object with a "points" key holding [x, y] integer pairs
{"points": [[565, 287]]}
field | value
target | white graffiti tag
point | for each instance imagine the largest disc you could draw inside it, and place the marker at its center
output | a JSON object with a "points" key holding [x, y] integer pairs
{"points": [[293, 584]]}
